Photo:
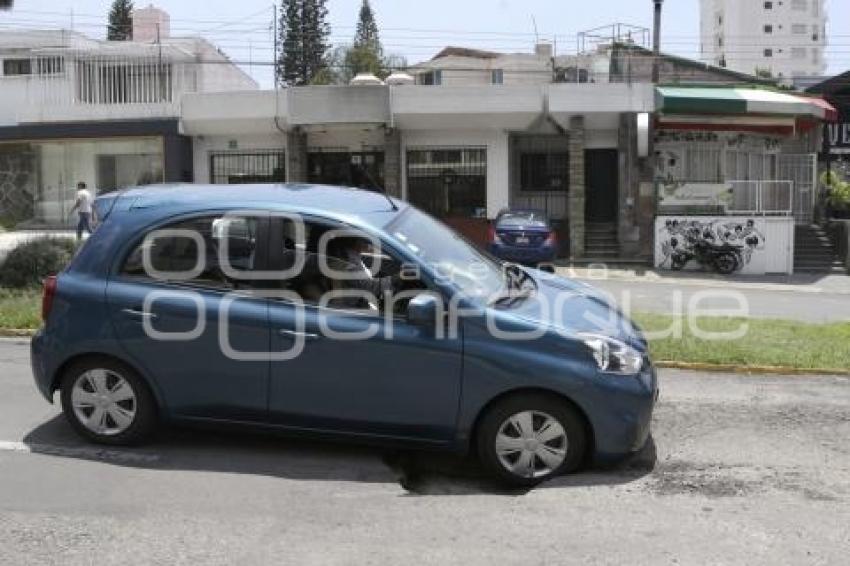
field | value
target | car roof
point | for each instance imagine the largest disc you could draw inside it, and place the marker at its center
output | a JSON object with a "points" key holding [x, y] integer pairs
{"points": [[326, 197], [523, 212], [327, 200]]}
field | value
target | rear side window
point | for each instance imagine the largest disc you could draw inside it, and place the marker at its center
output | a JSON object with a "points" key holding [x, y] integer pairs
{"points": [[212, 251]]}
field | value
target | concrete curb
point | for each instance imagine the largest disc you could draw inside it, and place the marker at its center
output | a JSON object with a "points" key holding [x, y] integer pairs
{"points": [[755, 370], [16, 333]]}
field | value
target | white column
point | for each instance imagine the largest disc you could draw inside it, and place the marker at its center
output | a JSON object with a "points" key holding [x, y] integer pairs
{"points": [[498, 174]]}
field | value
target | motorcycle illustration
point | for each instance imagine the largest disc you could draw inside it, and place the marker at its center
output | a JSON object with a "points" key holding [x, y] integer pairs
{"points": [[722, 258]]}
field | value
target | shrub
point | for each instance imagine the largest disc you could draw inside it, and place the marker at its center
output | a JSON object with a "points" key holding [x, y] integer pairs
{"points": [[838, 195], [28, 264]]}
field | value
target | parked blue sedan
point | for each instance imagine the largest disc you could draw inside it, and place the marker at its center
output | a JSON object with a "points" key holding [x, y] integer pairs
{"points": [[335, 312], [523, 236]]}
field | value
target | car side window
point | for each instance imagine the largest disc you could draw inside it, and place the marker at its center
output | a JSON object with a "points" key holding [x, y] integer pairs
{"points": [[360, 265], [190, 252]]}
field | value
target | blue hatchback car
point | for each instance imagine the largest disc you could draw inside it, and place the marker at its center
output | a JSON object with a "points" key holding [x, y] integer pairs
{"points": [[336, 313]]}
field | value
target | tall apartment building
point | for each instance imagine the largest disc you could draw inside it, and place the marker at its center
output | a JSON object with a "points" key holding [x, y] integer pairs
{"points": [[784, 37]]}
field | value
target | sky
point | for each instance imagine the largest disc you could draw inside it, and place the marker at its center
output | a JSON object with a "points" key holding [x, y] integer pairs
{"points": [[416, 29]]}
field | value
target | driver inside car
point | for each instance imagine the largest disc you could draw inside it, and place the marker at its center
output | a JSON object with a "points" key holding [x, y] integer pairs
{"points": [[355, 275]]}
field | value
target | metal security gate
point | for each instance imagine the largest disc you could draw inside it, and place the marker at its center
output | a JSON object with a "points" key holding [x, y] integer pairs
{"points": [[802, 169], [239, 168], [540, 173], [448, 182]]}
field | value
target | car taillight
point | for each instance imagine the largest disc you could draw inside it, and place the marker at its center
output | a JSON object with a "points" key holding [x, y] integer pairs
{"points": [[552, 239], [47, 294], [492, 236]]}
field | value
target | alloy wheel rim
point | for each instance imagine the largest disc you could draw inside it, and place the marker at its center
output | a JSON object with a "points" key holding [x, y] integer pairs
{"points": [[104, 402], [531, 444]]}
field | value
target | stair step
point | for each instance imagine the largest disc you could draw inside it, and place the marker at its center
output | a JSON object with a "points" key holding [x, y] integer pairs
{"points": [[814, 251]]}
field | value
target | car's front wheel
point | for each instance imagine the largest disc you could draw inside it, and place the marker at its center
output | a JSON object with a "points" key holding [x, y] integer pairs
{"points": [[528, 438], [107, 402]]}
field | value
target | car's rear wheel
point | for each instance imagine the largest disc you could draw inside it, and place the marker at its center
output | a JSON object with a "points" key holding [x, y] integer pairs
{"points": [[107, 402], [528, 438]]}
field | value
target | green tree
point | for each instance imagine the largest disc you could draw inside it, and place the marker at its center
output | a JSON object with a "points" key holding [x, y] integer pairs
{"points": [[366, 35], [303, 35], [120, 21]]}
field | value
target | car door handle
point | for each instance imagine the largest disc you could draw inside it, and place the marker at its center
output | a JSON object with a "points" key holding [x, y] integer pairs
{"points": [[139, 313], [294, 334]]}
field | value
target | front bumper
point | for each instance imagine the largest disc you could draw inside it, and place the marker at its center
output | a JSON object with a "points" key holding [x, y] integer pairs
{"points": [[624, 426]]}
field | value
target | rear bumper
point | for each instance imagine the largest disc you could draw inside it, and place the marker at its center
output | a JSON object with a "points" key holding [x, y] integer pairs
{"points": [[42, 374], [522, 255]]}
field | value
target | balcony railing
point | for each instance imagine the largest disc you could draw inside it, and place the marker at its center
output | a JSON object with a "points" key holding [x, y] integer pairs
{"points": [[728, 198], [762, 198]]}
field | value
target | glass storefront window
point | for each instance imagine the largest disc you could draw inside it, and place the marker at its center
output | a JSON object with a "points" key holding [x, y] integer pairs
{"points": [[38, 179]]}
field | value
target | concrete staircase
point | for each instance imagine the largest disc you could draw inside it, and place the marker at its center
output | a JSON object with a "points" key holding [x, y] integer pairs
{"points": [[600, 241], [814, 252]]}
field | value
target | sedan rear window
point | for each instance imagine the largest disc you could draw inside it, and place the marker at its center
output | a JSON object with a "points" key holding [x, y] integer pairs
{"points": [[524, 219]]}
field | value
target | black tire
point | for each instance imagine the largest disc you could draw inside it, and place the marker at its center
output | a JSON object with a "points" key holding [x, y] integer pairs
{"points": [[496, 417], [145, 419], [678, 263], [726, 264]]}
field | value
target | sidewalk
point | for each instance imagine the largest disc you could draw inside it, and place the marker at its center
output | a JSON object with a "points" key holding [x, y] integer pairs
{"points": [[796, 283]]}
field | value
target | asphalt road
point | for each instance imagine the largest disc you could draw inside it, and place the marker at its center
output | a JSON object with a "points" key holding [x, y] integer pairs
{"points": [[800, 303], [745, 470]]}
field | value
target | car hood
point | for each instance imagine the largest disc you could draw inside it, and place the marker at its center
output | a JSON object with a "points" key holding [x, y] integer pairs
{"points": [[571, 307]]}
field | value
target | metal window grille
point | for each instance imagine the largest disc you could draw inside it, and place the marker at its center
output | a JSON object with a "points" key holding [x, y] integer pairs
{"points": [[124, 82], [262, 166], [448, 181]]}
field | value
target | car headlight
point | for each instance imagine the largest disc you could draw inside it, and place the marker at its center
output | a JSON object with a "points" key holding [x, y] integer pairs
{"points": [[613, 356]]}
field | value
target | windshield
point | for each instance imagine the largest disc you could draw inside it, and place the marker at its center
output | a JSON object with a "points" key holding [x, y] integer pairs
{"points": [[453, 258]]}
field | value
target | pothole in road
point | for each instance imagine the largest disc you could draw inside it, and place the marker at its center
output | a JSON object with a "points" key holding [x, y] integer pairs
{"points": [[678, 477]]}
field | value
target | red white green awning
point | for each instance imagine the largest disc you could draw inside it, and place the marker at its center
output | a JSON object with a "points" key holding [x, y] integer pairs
{"points": [[740, 101]]}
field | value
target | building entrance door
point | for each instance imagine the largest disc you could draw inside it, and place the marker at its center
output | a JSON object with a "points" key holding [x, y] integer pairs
{"points": [[601, 171]]}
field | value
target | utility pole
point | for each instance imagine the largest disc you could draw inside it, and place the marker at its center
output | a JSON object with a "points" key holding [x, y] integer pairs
{"points": [[656, 43], [274, 31]]}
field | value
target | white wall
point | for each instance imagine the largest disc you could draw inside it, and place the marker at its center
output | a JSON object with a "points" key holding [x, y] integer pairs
{"points": [[218, 76], [766, 247], [496, 142]]}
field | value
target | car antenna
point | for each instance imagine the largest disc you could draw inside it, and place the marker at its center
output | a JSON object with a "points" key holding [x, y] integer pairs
{"points": [[383, 190]]}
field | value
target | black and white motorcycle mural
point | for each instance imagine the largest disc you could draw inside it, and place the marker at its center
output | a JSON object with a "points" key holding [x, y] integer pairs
{"points": [[724, 245]]}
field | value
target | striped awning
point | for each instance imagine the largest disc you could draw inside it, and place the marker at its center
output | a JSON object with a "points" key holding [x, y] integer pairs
{"points": [[741, 101]]}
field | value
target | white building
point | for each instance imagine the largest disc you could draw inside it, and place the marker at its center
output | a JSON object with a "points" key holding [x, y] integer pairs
{"points": [[784, 37], [461, 66], [76, 109]]}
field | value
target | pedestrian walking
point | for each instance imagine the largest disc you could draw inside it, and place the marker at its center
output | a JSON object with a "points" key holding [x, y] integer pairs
{"points": [[85, 210]]}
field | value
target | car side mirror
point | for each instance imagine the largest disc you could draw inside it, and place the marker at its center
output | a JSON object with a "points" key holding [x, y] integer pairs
{"points": [[422, 310]]}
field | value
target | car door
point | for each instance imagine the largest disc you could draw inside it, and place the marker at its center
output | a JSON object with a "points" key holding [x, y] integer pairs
{"points": [[356, 371], [171, 329]]}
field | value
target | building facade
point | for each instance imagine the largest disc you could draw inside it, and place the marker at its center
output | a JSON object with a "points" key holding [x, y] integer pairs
{"points": [[75, 109], [786, 39]]}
